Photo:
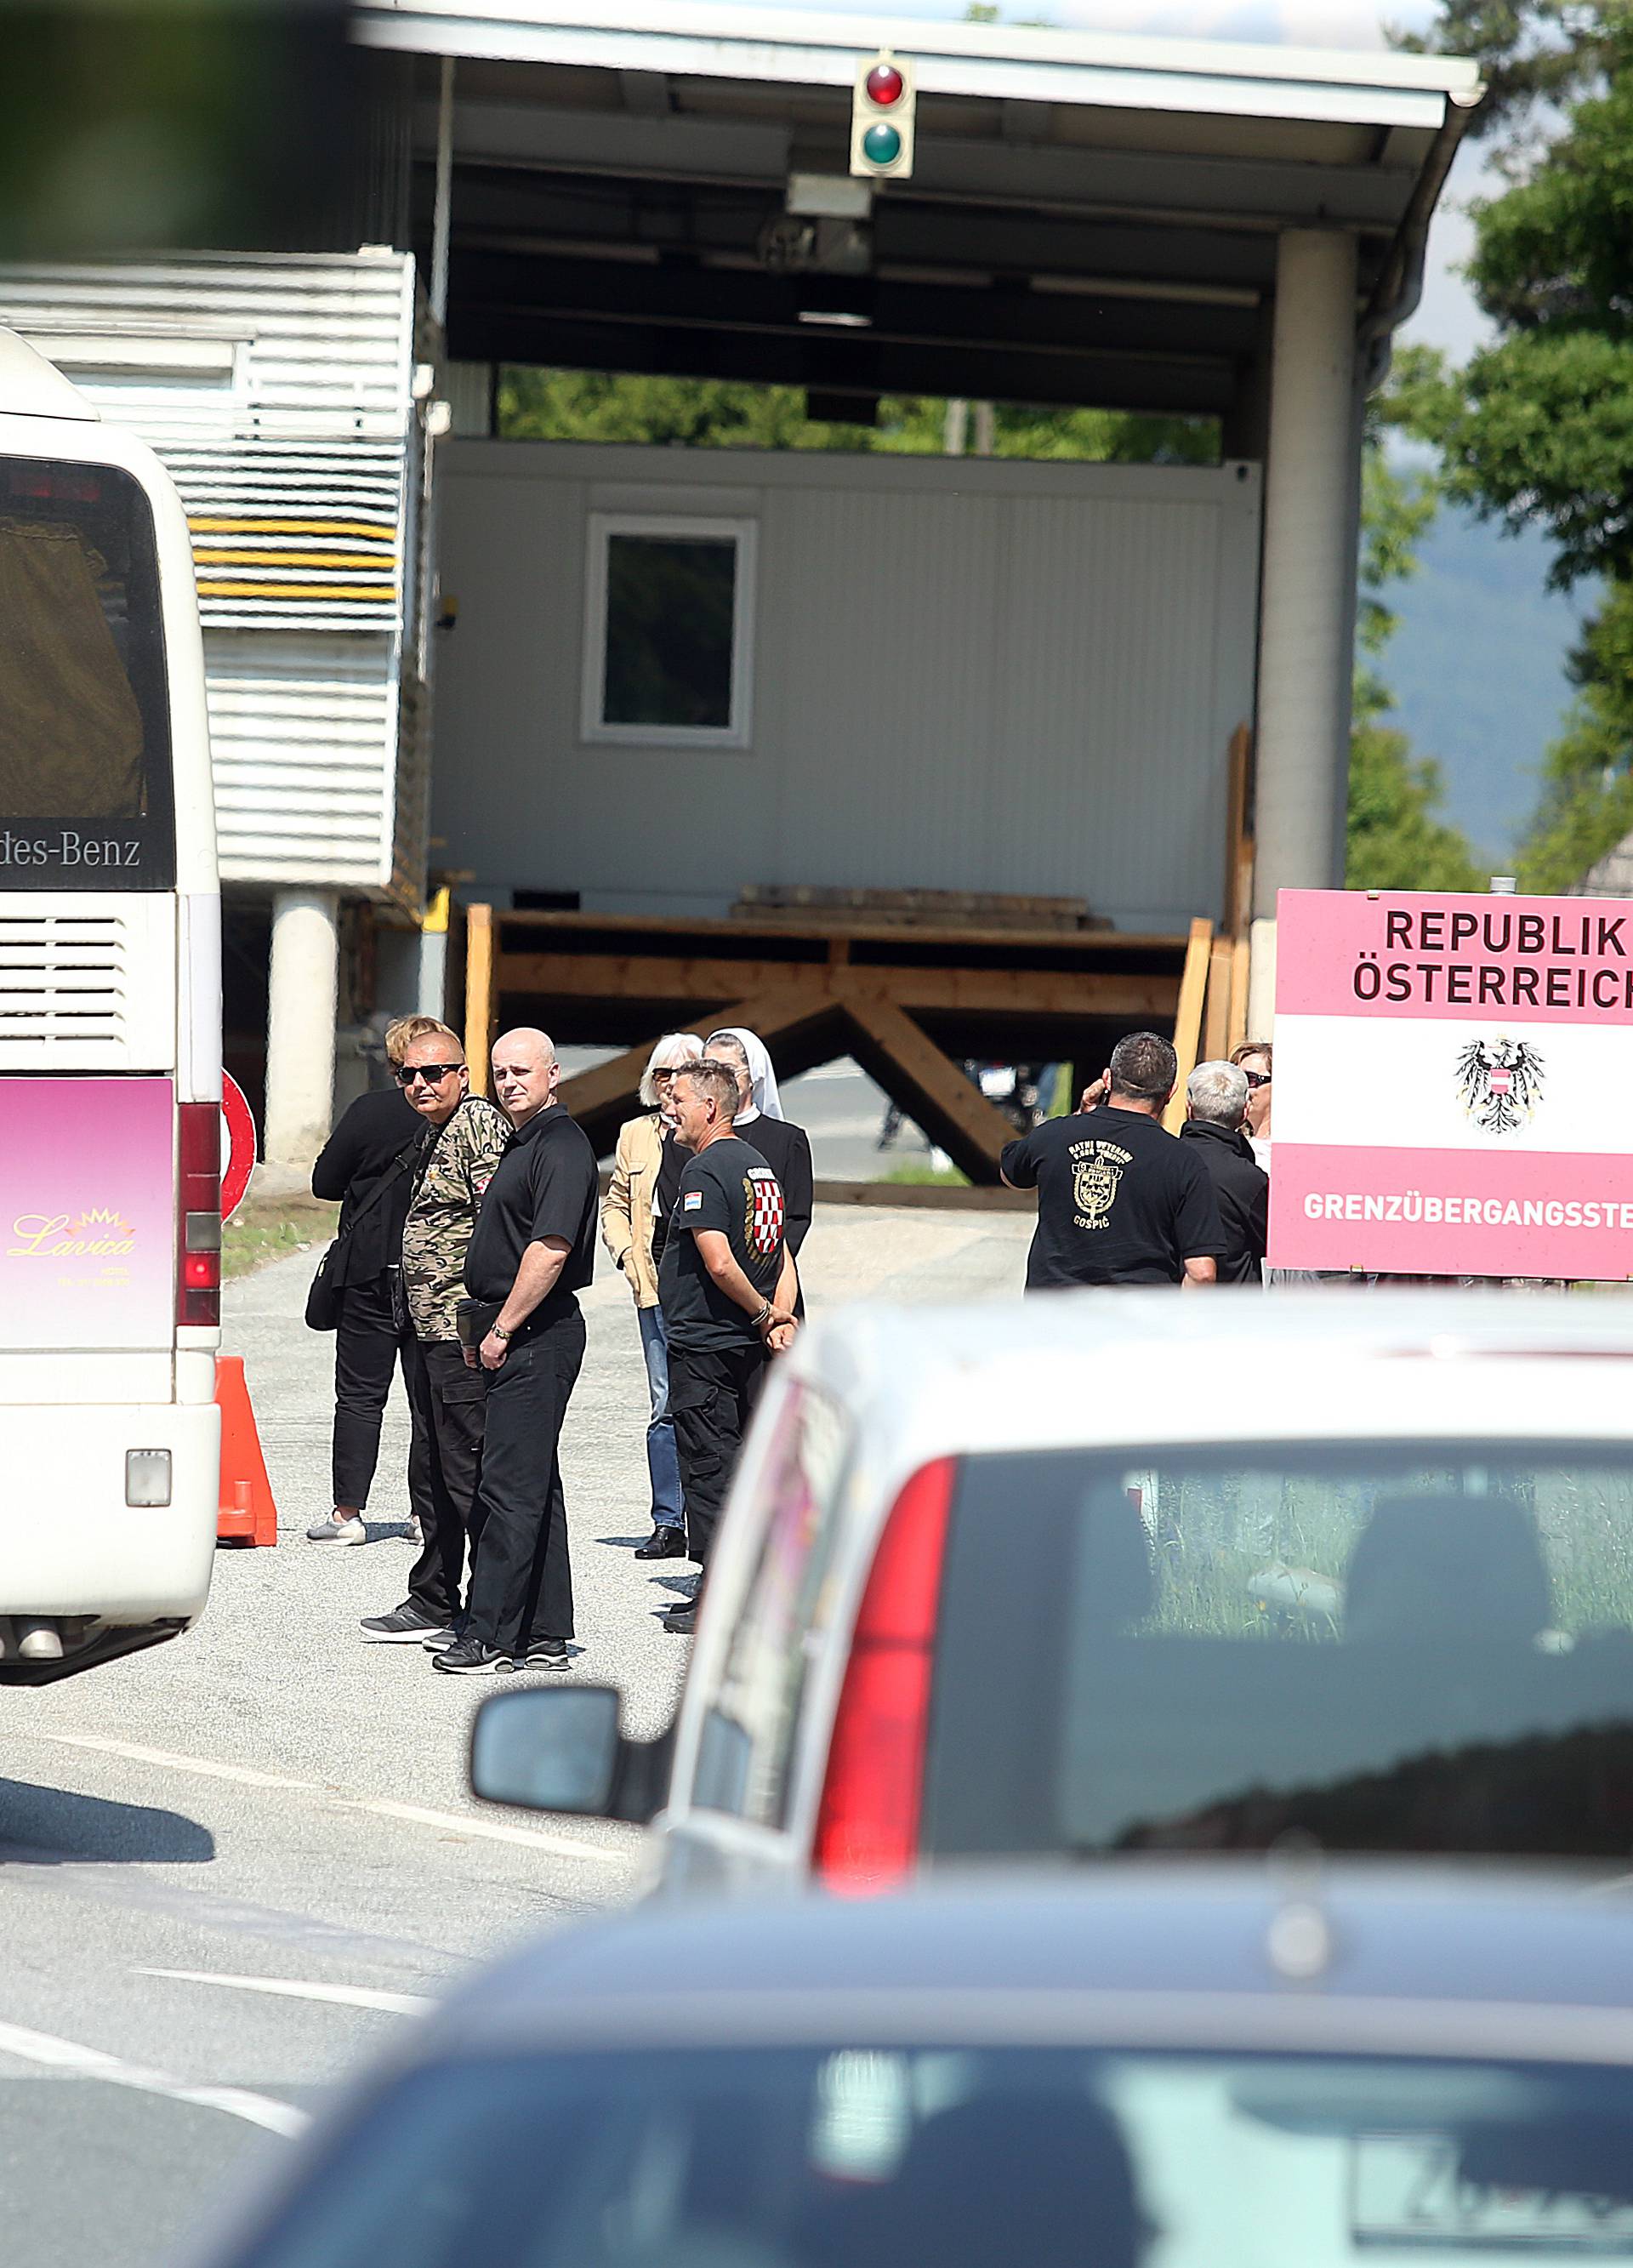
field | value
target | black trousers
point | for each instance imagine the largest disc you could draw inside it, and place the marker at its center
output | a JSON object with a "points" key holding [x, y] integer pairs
{"points": [[449, 1404], [711, 1399], [522, 1584], [368, 1346]]}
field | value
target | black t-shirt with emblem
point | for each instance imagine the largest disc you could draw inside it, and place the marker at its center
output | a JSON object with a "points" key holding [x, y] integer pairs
{"points": [[728, 1187], [1119, 1201], [545, 1186]]}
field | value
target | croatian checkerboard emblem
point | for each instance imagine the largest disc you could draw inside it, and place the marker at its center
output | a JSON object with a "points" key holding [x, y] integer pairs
{"points": [[762, 1225], [1500, 1083]]}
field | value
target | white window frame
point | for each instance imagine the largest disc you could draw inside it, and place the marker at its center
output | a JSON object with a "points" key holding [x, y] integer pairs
{"points": [[603, 525]]}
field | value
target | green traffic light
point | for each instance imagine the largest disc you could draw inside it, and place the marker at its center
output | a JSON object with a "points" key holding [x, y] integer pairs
{"points": [[881, 145]]}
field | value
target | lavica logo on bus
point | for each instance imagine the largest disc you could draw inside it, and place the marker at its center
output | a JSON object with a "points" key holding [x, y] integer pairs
{"points": [[100, 1234]]}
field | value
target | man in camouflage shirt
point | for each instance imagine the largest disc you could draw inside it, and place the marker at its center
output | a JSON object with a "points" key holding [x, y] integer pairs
{"points": [[461, 1148]]}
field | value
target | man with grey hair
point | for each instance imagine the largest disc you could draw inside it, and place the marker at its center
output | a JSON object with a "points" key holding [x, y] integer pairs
{"points": [[1216, 1097], [1119, 1200]]}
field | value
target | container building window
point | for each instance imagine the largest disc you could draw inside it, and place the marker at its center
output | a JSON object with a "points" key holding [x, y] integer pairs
{"points": [[668, 629]]}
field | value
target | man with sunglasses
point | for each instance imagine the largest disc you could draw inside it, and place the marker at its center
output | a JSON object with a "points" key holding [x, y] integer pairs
{"points": [[465, 1136]]}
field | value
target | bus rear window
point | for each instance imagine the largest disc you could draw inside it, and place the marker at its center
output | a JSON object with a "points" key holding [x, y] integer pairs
{"points": [[86, 798], [1380, 1649]]}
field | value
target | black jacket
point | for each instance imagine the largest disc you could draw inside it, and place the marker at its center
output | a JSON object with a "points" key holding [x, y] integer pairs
{"points": [[1243, 1191], [373, 1132], [786, 1149]]}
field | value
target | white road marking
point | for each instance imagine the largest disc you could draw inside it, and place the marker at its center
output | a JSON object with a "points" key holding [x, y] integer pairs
{"points": [[457, 1823], [92, 2063], [343, 1996]]}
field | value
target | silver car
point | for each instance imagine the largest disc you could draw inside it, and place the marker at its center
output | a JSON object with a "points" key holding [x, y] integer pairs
{"points": [[1110, 1573], [1152, 2069]]}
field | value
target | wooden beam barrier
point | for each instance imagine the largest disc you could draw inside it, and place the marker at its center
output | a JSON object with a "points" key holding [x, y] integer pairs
{"points": [[692, 977], [1188, 1022], [602, 1099], [480, 994], [909, 1065]]}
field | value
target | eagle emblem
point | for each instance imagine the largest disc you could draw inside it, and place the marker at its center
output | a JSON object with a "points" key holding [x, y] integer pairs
{"points": [[1094, 1186], [1500, 1083]]}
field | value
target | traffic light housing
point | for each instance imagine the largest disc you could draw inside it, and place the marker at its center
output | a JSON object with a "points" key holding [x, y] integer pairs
{"points": [[881, 119]]}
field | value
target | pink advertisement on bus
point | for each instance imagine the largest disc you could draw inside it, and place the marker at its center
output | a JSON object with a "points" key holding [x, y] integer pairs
{"points": [[87, 1224], [1453, 1079]]}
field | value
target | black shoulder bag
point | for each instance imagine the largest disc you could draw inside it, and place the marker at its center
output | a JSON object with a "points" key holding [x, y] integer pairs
{"points": [[323, 1300]]}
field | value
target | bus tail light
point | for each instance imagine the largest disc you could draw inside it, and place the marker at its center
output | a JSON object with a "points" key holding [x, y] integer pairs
{"points": [[198, 1215], [867, 1827]]}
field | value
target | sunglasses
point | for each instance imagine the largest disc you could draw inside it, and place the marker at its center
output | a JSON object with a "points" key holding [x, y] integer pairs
{"points": [[433, 1074], [1257, 1078]]}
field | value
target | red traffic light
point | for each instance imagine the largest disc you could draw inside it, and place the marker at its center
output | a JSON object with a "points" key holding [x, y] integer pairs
{"points": [[885, 86]]}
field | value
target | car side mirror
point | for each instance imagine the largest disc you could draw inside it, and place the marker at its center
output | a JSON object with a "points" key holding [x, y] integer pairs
{"points": [[559, 1748]]}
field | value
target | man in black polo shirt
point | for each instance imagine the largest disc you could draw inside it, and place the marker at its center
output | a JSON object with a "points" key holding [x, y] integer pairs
{"points": [[728, 1286], [1216, 1104], [1120, 1201], [533, 1250]]}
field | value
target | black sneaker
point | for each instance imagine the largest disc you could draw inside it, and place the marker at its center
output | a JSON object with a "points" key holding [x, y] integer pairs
{"points": [[664, 1543], [468, 1657], [681, 1618], [545, 1654], [436, 1639], [405, 1625]]}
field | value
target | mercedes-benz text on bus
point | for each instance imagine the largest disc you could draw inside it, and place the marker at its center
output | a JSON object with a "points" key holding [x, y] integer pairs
{"points": [[110, 1044]]}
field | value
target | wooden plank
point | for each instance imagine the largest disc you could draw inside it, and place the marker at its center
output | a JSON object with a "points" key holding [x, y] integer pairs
{"points": [[1240, 957], [1239, 835], [929, 1086], [1188, 1021], [1016, 992], [1216, 1014], [601, 1099], [1089, 942], [480, 997]]}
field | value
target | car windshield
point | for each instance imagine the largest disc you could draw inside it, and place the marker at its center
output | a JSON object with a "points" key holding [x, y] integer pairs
{"points": [[864, 2157], [1386, 1650]]}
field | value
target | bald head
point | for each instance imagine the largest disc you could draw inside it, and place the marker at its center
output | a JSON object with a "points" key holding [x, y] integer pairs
{"points": [[525, 1073]]}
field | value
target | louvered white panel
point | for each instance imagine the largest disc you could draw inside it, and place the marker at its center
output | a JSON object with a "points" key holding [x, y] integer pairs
{"points": [[88, 982], [300, 728], [278, 389]]}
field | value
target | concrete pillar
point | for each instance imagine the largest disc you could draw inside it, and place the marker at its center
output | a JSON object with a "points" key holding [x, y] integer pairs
{"points": [[301, 1026], [1307, 634]]}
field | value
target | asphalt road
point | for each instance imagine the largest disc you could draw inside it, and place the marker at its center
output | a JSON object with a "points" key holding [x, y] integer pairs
{"points": [[231, 1867]]}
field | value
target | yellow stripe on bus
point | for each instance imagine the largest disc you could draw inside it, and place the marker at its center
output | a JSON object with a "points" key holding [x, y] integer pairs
{"points": [[337, 562], [378, 592], [374, 530]]}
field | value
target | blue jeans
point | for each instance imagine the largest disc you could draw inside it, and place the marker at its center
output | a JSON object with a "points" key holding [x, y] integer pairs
{"points": [[661, 1460]]}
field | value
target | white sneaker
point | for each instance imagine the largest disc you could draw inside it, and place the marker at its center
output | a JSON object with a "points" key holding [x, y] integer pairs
{"points": [[333, 1530]]}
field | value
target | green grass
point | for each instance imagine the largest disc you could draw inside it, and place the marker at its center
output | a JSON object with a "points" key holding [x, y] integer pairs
{"points": [[269, 1229], [920, 1176]]}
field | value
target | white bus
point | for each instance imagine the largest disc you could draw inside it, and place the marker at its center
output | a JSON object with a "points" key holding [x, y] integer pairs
{"points": [[110, 1044]]}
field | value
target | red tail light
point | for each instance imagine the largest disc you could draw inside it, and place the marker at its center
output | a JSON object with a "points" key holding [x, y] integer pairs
{"points": [[867, 1828], [198, 1215]]}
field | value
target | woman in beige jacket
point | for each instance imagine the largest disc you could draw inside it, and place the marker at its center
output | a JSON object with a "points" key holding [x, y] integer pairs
{"points": [[634, 1224]]}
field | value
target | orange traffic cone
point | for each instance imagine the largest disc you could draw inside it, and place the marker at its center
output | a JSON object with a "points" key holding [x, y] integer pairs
{"points": [[247, 1513]]}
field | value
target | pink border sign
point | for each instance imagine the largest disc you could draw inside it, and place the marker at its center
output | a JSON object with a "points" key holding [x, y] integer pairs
{"points": [[1453, 1080]]}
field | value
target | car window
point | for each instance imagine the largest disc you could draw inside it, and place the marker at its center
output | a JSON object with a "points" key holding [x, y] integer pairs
{"points": [[1384, 1650], [751, 1726], [847, 2155]]}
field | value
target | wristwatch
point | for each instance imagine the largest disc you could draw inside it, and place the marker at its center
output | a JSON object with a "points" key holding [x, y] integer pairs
{"points": [[498, 1331]]}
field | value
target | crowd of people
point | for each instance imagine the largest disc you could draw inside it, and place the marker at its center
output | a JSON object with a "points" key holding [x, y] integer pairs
{"points": [[467, 1228], [1122, 1201]]}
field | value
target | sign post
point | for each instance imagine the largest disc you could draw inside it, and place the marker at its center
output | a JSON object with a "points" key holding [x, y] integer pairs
{"points": [[1454, 1084], [241, 1131]]}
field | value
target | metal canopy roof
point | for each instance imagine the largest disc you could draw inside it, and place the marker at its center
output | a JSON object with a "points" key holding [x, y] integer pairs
{"points": [[1090, 219]]}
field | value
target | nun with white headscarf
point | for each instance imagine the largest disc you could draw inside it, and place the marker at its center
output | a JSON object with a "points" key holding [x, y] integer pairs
{"points": [[786, 1147], [635, 1213]]}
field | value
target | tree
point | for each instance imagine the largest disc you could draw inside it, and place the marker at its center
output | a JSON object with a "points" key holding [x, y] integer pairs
{"points": [[1395, 837]]}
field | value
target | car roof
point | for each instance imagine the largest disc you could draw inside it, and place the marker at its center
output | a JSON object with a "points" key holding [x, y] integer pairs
{"points": [[1336, 1361], [1188, 1954]]}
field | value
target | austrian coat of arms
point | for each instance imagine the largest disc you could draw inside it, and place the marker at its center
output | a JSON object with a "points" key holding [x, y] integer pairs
{"points": [[1500, 1083]]}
